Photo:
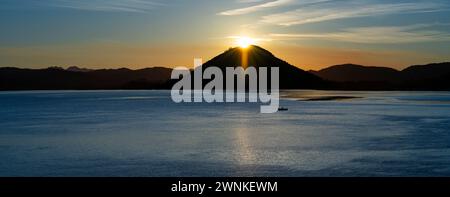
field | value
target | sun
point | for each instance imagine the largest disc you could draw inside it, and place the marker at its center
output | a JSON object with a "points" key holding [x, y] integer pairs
{"points": [[245, 42]]}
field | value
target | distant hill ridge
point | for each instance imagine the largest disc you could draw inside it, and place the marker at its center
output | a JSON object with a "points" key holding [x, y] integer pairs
{"points": [[60, 79], [434, 76], [340, 77], [353, 72]]}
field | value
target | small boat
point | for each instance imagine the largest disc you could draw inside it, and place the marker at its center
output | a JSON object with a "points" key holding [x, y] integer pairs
{"points": [[282, 109]]}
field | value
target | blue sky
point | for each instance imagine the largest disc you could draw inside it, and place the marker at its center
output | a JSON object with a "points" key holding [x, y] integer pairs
{"points": [[138, 33]]}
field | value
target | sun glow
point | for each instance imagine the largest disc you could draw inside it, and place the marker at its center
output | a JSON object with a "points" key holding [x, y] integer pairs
{"points": [[245, 42]]}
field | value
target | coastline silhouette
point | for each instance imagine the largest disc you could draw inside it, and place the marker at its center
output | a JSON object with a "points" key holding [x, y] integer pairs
{"points": [[340, 77]]}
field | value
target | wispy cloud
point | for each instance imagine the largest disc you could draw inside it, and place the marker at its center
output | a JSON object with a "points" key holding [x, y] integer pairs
{"points": [[255, 8], [107, 5], [377, 35], [248, 1], [333, 10]]}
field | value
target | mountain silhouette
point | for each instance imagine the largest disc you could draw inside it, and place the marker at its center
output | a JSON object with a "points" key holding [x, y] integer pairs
{"points": [[78, 69], [424, 72], [290, 76], [419, 77], [55, 78], [355, 73], [340, 77]]}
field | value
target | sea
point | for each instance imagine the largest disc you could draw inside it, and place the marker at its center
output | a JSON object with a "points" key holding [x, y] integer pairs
{"points": [[146, 134]]}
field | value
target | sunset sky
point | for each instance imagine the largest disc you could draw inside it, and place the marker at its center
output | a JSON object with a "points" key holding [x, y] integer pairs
{"points": [[310, 34]]}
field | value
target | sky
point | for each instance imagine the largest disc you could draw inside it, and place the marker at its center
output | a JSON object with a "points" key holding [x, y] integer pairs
{"points": [[310, 34]]}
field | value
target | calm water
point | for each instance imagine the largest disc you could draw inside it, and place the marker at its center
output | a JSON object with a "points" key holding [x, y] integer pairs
{"points": [[143, 133]]}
